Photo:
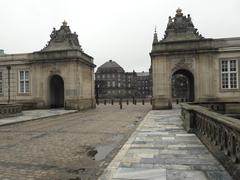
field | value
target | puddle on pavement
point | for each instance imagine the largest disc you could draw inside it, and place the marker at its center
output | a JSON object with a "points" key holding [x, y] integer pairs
{"points": [[104, 150], [135, 122]]}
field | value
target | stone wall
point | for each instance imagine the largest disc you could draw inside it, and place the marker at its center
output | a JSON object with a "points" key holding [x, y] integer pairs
{"points": [[9, 110]]}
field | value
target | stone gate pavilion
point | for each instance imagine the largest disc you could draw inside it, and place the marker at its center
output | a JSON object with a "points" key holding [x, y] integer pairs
{"points": [[60, 75], [206, 69]]}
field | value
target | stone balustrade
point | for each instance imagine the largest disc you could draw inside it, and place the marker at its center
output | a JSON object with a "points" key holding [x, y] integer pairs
{"points": [[220, 133], [9, 110]]}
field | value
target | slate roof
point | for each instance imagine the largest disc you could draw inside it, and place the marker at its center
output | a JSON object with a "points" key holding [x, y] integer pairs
{"points": [[143, 74], [110, 66]]}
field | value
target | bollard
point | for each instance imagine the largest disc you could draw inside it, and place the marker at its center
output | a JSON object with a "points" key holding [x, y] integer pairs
{"points": [[143, 102], [105, 102], [127, 102], [120, 105], [112, 101], [176, 101]]}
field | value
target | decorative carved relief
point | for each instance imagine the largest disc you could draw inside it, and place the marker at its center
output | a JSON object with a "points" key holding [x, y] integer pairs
{"points": [[55, 70], [182, 63]]}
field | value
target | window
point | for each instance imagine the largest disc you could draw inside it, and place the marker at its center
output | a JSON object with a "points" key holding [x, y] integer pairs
{"points": [[98, 76], [113, 76], [24, 82], [103, 76], [119, 84], [113, 84], [1, 82], [108, 76], [129, 85], [108, 83], [229, 71]]}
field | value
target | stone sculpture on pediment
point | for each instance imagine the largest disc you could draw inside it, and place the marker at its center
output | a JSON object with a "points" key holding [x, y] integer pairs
{"points": [[180, 28], [63, 39]]}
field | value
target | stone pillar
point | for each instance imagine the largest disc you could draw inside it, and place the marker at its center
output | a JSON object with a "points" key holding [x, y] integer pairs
{"points": [[161, 83]]}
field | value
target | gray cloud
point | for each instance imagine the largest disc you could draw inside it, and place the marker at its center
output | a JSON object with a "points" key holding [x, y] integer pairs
{"points": [[121, 30]]}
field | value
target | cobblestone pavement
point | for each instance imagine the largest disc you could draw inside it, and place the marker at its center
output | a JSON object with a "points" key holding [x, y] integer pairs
{"points": [[160, 149], [72, 146]]}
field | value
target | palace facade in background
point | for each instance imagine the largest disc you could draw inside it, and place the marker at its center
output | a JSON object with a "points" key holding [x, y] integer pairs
{"points": [[60, 75], [113, 82], [187, 65]]}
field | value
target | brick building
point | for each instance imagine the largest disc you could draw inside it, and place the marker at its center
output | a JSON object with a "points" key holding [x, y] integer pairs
{"points": [[143, 85], [111, 81]]}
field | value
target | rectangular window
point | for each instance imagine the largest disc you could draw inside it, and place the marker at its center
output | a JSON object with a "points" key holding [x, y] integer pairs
{"points": [[108, 83], [119, 84], [113, 84], [1, 82], [24, 82], [229, 74]]}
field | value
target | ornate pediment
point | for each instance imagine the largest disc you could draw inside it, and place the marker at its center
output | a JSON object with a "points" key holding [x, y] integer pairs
{"points": [[63, 39], [180, 28]]}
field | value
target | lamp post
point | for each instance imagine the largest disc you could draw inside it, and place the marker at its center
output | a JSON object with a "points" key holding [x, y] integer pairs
{"points": [[9, 68]]}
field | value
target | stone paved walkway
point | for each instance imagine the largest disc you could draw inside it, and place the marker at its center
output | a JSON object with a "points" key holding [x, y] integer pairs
{"points": [[34, 114], [160, 149]]}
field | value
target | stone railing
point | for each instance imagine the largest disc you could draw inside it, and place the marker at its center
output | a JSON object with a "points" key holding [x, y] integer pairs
{"points": [[221, 107], [9, 110], [221, 134]]}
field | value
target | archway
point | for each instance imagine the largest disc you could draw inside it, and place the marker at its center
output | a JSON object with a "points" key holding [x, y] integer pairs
{"points": [[183, 85], [56, 91]]}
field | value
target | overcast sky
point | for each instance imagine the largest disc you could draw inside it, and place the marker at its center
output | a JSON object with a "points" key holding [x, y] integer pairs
{"points": [[121, 30]]}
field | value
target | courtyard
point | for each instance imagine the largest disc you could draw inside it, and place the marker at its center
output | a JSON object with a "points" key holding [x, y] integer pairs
{"points": [[78, 145]]}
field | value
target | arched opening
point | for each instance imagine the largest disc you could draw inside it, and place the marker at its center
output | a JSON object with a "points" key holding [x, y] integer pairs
{"points": [[183, 85], [56, 92]]}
